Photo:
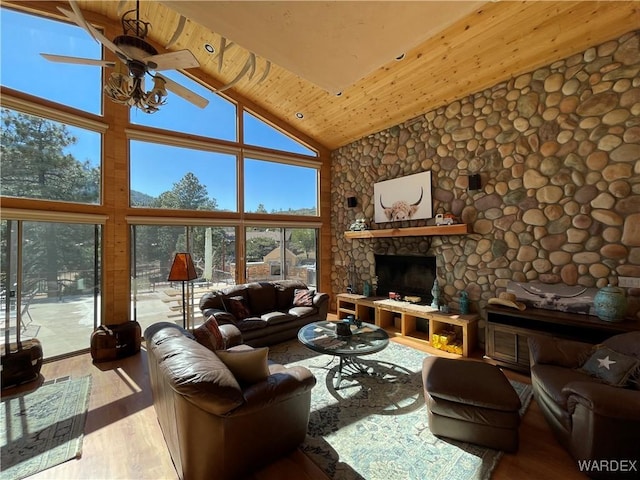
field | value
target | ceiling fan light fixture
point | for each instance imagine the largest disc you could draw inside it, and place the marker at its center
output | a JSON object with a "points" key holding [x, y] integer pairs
{"points": [[136, 58], [124, 89]]}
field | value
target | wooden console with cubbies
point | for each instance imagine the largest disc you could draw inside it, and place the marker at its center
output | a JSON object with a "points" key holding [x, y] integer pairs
{"points": [[418, 322]]}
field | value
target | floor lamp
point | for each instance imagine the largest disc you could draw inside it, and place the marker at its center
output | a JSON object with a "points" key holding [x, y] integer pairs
{"points": [[182, 270]]}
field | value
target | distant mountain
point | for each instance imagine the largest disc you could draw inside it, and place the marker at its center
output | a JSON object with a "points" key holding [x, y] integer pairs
{"points": [[299, 211], [139, 199]]}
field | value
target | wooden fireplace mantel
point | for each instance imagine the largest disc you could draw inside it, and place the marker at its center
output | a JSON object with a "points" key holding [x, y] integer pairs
{"points": [[458, 229]]}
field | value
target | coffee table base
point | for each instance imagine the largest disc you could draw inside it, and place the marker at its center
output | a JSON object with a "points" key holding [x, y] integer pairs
{"points": [[351, 366]]}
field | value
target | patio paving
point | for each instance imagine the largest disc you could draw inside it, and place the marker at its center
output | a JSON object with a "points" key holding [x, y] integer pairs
{"points": [[65, 326]]}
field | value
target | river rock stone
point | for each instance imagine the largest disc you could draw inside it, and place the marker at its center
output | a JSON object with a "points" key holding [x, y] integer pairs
{"points": [[630, 98], [626, 153], [534, 217], [609, 142], [598, 104], [629, 52], [604, 200], [554, 82], [617, 116], [534, 179], [614, 251], [549, 194], [607, 217], [631, 231], [527, 104], [619, 73], [632, 135]]}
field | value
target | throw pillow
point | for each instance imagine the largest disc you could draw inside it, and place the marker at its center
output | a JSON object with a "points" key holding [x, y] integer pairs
{"points": [[249, 366], [209, 334], [610, 366], [237, 306], [303, 297]]}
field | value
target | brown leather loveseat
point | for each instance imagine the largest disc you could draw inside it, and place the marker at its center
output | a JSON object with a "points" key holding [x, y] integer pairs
{"points": [[216, 426], [590, 397]]}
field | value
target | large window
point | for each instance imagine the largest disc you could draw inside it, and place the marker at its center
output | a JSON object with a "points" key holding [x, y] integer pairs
{"points": [[48, 160], [181, 116], [281, 254], [196, 183], [50, 283], [257, 132], [164, 176], [154, 246], [24, 37], [272, 187]]}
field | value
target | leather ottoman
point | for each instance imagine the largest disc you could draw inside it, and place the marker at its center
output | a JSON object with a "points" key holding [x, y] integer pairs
{"points": [[21, 362], [471, 401]]}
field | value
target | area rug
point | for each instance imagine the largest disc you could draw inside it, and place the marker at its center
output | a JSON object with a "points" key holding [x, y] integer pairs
{"points": [[375, 426], [43, 428]]}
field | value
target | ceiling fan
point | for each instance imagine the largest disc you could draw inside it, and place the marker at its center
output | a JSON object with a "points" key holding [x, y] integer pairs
{"points": [[136, 58]]}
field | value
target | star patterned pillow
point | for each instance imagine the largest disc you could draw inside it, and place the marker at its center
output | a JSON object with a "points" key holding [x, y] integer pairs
{"points": [[610, 366]]}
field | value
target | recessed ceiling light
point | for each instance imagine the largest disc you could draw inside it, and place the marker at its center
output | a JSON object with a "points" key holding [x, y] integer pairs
{"points": [[400, 57], [209, 48], [339, 94], [299, 115]]}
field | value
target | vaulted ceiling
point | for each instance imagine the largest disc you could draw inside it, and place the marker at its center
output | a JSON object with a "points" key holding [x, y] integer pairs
{"points": [[336, 63]]}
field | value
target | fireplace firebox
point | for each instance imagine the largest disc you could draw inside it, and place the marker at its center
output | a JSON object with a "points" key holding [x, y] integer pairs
{"points": [[406, 275]]}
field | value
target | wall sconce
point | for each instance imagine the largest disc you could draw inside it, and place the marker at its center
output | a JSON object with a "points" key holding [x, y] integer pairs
{"points": [[182, 270], [352, 202], [474, 181]]}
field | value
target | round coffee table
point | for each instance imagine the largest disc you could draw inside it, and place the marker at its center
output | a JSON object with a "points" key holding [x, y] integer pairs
{"points": [[321, 337]]}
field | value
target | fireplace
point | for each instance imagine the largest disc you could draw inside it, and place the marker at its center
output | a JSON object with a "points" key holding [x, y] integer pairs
{"points": [[406, 275]]}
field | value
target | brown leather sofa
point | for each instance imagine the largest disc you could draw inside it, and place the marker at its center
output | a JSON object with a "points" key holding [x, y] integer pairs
{"points": [[214, 426], [272, 316], [593, 420]]}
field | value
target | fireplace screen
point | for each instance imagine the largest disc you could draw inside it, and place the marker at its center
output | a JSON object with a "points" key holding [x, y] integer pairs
{"points": [[406, 275]]}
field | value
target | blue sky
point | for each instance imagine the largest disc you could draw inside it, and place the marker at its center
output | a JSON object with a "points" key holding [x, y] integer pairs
{"points": [[155, 168]]}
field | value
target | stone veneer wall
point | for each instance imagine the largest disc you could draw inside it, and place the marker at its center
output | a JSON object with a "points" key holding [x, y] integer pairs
{"points": [[558, 150]]}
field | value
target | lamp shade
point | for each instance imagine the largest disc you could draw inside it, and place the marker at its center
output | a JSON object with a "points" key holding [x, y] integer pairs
{"points": [[182, 268]]}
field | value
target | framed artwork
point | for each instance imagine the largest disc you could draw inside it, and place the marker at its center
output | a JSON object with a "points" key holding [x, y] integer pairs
{"points": [[404, 198]]}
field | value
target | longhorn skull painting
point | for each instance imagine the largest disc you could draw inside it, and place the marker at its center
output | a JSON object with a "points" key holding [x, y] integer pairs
{"points": [[405, 198]]}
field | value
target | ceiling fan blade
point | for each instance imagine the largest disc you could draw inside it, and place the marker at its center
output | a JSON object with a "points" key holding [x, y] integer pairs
{"points": [[173, 60], [76, 17], [79, 20], [77, 60], [184, 92]]}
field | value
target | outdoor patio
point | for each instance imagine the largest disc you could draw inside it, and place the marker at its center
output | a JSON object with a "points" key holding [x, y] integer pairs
{"points": [[65, 325]]}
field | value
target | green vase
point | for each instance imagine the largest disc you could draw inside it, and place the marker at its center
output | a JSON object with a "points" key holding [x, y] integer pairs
{"points": [[610, 304]]}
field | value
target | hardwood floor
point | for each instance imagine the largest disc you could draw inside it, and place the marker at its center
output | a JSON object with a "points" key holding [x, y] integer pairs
{"points": [[123, 439]]}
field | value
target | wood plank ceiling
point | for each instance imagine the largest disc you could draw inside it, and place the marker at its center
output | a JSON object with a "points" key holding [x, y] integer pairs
{"points": [[494, 42]]}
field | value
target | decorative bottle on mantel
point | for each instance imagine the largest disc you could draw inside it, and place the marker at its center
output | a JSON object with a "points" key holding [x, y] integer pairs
{"points": [[435, 293], [610, 304]]}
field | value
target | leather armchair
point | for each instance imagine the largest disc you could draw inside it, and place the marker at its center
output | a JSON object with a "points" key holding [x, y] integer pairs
{"points": [[214, 426], [591, 419]]}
